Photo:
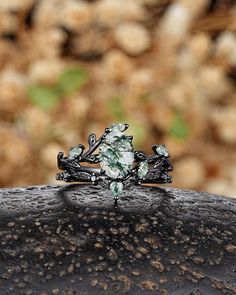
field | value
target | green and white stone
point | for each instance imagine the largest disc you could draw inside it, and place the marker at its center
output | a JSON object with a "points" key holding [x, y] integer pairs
{"points": [[116, 153], [116, 188], [162, 150], [118, 127], [75, 153], [142, 169]]}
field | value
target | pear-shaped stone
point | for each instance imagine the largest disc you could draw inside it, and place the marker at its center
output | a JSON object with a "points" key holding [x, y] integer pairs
{"points": [[161, 150], [116, 188], [75, 152]]}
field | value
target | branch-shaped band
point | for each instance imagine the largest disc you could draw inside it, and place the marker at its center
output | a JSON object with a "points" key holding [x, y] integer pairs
{"points": [[120, 165]]}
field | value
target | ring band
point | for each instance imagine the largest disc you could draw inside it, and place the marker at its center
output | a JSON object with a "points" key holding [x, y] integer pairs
{"points": [[120, 165]]}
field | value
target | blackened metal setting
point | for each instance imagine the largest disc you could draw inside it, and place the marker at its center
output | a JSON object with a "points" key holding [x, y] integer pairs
{"points": [[159, 164]]}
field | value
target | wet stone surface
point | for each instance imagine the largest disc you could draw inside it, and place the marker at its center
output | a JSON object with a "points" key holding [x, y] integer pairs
{"points": [[75, 240]]}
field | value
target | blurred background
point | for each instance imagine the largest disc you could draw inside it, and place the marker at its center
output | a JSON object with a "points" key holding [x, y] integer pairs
{"points": [[71, 67]]}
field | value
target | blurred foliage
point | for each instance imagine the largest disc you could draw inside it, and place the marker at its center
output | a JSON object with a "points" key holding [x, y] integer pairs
{"points": [[43, 97], [138, 130], [70, 81], [179, 127], [167, 68], [115, 108]]}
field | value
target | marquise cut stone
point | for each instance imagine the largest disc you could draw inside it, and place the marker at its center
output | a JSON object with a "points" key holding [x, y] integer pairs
{"points": [[74, 153], [142, 169], [162, 150]]}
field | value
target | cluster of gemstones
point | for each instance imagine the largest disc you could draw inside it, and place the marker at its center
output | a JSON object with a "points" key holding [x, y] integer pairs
{"points": [[117, 159]]}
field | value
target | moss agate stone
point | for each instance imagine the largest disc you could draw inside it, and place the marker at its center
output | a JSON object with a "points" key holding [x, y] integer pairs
{"points": [[116, 188], [75, 153], [161, 150], [142, 169], [116, 153]]}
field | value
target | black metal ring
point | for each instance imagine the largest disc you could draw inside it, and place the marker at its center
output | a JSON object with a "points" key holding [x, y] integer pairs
{"points": [[120, 165]]}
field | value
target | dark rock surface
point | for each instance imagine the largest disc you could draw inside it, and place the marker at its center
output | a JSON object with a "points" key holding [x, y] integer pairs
{"points": [[75, 240]]}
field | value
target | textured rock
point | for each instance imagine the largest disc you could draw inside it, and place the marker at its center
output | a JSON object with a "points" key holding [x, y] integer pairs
{"points": [[224, 121], [78, 14], [113, 12], [132, 38], [75, 240]]}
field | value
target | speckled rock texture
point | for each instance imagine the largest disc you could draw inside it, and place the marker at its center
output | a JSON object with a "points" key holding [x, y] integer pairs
{"points": [[75, 240]]}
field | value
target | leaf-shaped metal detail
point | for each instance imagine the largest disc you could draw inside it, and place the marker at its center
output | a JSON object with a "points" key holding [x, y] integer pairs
{"points": [[92, 140], [140, 155], [92, 158], [145, 168]]}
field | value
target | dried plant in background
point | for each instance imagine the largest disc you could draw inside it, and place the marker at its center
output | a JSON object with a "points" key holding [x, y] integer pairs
{"points": [[168, 68]]}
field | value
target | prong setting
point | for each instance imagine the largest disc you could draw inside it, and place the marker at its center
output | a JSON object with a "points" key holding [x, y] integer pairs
{"points": [[121, 166]]}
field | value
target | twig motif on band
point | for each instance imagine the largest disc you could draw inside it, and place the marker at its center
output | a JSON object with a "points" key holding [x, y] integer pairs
{"points": [[120, 165]]}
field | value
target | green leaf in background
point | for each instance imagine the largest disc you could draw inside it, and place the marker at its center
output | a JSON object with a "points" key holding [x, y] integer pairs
{"points": [[145, 98], [115, 108], [43, 97], [72, 79], [138, 130], [179, 128]]}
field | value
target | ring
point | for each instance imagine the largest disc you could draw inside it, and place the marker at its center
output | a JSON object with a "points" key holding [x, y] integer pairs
{"points": [[120, 165]]}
